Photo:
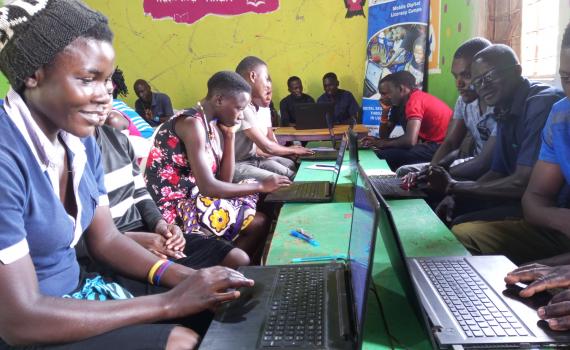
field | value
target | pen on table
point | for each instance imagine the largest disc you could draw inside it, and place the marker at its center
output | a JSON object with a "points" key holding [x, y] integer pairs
{"points": [[305, 238], [304, 233], [325, 165]]}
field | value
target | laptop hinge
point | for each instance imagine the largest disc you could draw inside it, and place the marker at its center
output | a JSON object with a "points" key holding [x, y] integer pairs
{"points": [[457, 347], [343, 313]]}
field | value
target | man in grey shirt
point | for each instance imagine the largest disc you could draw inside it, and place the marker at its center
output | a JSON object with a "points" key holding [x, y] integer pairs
{"points": [[256, 155]]}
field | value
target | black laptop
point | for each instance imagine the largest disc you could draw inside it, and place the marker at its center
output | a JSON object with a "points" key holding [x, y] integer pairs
{"points": [[331, 154], [313, 115], [464, 301], [311, 191], [312, 306], [389, 186]]}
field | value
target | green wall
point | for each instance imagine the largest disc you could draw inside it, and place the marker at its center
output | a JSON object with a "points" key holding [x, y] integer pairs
{"points": [[458, 24], [3, 82]]}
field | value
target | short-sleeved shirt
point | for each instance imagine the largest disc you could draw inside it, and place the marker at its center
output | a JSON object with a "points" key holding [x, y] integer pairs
{"points": [[433, 113], [142, 126], [264, 114], [287, 105], [556, 138], [131, 206], [480, 125], [169, 176], [518, 133], [160, 106], [245, 148], [32, 218], [345, 105]]}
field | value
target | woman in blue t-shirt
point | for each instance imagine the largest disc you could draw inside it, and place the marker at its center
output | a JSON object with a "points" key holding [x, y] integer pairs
{"points": [[58, 57]]}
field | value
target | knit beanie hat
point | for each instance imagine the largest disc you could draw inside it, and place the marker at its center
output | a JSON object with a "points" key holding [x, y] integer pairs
{"points": [[33, 32]]}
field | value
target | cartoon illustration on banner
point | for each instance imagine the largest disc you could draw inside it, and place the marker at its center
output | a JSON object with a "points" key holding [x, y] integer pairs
{"points": [[397, 40]]}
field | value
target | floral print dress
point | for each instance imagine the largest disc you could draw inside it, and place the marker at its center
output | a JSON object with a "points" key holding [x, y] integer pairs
{"points": [[171, 183]]}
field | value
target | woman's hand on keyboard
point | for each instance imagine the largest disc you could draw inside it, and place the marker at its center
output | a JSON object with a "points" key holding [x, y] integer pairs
{"points": [[274, 182]]}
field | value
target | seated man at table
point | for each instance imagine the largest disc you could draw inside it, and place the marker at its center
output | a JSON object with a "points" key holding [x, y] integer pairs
{"points": [[286, 106], [252, 133], [424, 118], [345, 106], [472, 118], [545, 230], [154, 107], [521, 109]]}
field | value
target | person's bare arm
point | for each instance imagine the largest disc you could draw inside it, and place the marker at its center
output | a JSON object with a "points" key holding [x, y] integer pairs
{"points": [[28, 317], [477, 166], [455, 134], [386, 129], [227, 163], [104, 241], [117, 121], [271, 135], [190, 131], [408, 140], [273, 148], [539, 200], [492, 185]]}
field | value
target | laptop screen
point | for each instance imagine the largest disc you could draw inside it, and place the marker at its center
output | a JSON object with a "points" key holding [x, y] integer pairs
{"points": [[395, 251], [362, 241], [339, 160], [352, 154]]}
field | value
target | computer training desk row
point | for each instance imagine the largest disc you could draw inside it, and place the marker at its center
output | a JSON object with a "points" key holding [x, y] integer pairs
{"points": [[390, 321]]}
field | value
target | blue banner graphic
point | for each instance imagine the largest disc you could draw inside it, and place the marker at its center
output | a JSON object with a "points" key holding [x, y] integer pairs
{"points": [[397, 37]]}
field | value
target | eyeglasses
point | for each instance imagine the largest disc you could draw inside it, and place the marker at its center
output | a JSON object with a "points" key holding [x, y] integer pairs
{"points": [[490, 77]]}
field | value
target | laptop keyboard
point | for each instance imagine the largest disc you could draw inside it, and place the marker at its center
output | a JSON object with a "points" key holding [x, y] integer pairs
{"points": [[385, 183], [465, 294], [297, 309], [308, 190]]}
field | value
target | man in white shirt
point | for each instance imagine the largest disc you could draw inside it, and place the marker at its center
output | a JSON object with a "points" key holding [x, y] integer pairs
{"points": [[258, 156]]}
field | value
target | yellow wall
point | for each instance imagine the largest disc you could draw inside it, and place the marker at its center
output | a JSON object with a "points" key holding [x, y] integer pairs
{"points": [[304, 38]]}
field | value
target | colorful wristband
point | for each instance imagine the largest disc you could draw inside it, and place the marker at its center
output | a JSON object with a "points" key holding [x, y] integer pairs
{"points": [[152, 271], [161, 271]]}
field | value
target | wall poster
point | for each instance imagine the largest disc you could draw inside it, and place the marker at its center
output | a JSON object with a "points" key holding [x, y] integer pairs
{"points": [[397, 39]]}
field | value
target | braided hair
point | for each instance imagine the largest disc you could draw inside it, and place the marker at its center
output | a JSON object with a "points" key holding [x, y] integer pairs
{"points": [[119, 86]]}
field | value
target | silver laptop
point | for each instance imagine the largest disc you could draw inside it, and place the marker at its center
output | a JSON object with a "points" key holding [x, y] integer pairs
{"points": [[464, 301]]}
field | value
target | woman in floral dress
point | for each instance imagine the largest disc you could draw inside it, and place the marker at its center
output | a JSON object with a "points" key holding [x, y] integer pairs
{"points": [[191, 164]]}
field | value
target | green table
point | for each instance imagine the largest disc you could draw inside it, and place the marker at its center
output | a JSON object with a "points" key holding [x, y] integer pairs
{"points": [[391, 322]]}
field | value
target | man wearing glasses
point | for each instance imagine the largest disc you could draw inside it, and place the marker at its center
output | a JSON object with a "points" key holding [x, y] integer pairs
{"points": [[520, 108], [545, 231]]}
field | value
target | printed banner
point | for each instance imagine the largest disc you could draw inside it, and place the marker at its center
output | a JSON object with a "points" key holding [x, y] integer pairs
{"points": [[190, 11], [434, 35], [397, 38]]}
